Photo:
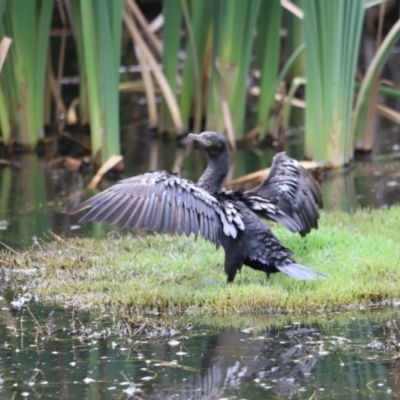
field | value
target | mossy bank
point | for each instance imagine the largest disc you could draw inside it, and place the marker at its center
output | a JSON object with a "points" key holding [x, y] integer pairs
{"points": [[359, 253]]}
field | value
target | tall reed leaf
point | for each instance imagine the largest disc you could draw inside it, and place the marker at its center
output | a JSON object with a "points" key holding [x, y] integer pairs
{"points": [[164, 86], [4, 118], [3, 4], [101, 30], [293, 41], [23, 78], [269, 25], [332, 32], [109, 30], [234, 23], [198, 29], [75, 18], [171, 39], [377, 63]]}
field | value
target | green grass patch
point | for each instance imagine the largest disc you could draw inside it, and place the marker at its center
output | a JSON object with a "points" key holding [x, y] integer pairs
{"points": [[360, 254]]}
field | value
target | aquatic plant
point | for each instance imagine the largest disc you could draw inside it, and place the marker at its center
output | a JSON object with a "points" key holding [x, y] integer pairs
{"points": [[133, 18], [268, 42], [22, 80], [233, 26], [98, 31], [216, 63], [373, 72], [203, 67], [332, 33], [197, 51], [171, 45]]}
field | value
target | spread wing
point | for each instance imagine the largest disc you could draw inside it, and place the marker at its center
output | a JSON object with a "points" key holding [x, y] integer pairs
{"points": [[163, 202], [291, 196]]}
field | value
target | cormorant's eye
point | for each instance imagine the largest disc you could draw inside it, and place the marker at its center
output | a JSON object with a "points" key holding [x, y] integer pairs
{"points": [[209, 137]]}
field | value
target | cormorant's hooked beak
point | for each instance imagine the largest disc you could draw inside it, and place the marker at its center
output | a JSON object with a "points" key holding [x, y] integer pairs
{"points": [[201, 139]]}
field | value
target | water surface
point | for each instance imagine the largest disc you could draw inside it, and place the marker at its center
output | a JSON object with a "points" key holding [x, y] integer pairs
{"points": [[55, 352]]}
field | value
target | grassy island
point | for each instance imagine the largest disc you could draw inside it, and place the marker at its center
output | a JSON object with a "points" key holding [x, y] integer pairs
{"points": [[360, 254]]}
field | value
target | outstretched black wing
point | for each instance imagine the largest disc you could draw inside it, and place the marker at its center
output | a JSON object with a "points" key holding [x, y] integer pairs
{"points": [[163, 202], [292, 196]]}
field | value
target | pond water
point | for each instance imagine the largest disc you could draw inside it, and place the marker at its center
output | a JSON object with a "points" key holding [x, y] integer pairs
{"points": [[58, 353]]}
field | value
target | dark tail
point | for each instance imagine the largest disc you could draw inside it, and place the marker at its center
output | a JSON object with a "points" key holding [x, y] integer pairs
{"points": [[298, 271]]}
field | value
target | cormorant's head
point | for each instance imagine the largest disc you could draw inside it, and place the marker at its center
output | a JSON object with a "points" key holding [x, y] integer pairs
{"points": [[213, 142]]}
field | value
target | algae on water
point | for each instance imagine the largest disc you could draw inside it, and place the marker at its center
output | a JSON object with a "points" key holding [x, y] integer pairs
{"points": [[359, 253]]}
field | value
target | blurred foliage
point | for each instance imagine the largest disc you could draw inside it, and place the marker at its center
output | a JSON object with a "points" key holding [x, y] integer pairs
{"points": [[215, 64]]}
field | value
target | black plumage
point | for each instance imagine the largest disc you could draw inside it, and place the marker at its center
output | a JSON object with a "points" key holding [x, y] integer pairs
{"points": [[165, 202]]}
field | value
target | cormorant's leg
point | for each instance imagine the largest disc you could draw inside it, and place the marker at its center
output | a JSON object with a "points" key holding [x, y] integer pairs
{"points": [[234, 257], [231, 268]]}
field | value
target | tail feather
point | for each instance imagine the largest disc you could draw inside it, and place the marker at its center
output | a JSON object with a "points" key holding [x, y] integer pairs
{"points": [[298, 271]]}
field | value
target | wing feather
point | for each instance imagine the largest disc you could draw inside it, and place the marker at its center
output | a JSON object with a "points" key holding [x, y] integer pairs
{"points": [[140, 222], [150, 210], [188, 224], [194, 223], [181, 220], [167, 217], [130, 212], [106, 210], [130, 218], [119, 207], [292, 193], [157, 223]]}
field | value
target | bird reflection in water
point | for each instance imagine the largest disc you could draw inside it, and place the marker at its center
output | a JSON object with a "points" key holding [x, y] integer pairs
{"points": [[276, 362]]}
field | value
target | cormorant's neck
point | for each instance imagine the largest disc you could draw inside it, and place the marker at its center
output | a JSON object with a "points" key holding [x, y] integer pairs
{"points": [[215, 173]]}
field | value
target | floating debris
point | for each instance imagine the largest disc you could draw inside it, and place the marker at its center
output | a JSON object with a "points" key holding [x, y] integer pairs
{"points": [[392, 184], [21, 300], [375, 344], [147, 378], [4, 224], [132, 389]]}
